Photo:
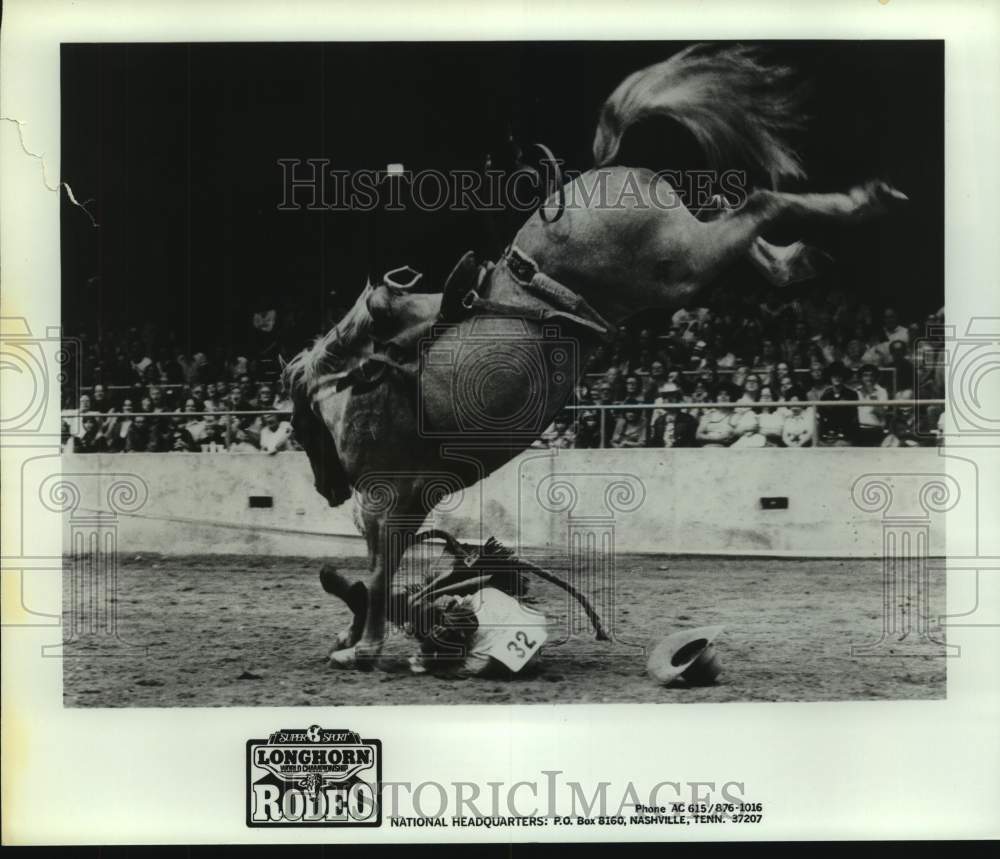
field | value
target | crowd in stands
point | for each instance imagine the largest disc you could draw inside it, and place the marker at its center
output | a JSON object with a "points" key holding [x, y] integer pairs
{"points": [[749, 350], [755, 351]]}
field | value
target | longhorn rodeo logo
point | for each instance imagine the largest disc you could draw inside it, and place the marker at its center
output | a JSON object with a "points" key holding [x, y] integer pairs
{"points": [[314, 777]]}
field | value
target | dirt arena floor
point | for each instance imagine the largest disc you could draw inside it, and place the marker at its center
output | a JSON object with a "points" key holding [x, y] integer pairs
{"points": [[236, 631]]}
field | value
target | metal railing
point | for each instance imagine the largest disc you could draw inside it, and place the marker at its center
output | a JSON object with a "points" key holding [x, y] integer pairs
{"points": [[695, 409], [607, 411], [111, 418]]}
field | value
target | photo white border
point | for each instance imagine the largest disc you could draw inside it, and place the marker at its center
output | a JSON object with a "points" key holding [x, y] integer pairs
{"points": [[843, 770]]}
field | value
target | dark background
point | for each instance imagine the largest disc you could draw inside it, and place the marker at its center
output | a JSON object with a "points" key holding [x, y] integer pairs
{"points": [[176, 146]]}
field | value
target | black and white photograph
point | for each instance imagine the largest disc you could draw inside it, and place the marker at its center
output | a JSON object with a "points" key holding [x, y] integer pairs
{"points": [[550, 368], [498, 423]]}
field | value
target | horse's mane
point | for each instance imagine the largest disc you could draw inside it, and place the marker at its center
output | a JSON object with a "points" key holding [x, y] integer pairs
{"points": [[737, 107], [329, 351]]}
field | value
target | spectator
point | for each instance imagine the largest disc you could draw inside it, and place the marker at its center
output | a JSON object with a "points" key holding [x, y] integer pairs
{"points": [[588, 433], [838, 426], [614, 385], [139, 362], [137, 439], [92, 439], [196, 426], [101, 402], [581, 395], [157, 401], [633, 392], [651, 384], [799, 426], [817, 381], [892, 331], [242, 443], [770, 420], [746, 430], [900, 434], [630, 430], [179, 439], [715, 429], [560, 435], [276, 434], [671, 427], [903, 369], [68, 441], [215, 439], [871, 419], [751, 388], [117, 433], [854, 356]]}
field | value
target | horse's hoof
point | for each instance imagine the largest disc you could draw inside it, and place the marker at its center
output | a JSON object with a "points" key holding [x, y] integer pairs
{"points": [[345, 640], [361, 657]]}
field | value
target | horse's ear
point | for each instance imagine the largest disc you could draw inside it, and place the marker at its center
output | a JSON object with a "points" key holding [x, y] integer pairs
{"points": [[282, 363]]}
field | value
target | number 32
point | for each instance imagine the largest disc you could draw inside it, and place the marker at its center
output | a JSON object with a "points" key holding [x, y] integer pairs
{"points": [[515, 645]]}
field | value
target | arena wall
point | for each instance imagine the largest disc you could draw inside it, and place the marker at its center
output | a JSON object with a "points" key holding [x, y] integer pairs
{"points": [[826, 502]]}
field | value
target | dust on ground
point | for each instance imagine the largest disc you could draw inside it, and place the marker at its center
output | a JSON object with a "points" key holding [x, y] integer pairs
{"points": [[238, 631]]}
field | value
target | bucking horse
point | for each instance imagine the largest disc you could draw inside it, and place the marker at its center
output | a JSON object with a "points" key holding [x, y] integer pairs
{"points": [[421, 391]]}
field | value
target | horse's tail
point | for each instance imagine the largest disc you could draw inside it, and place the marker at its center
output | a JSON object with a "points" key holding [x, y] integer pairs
{"points": [[738, 108]]}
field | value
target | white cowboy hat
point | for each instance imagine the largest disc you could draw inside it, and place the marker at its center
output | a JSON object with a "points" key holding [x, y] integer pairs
{"points": [[688, 654]]}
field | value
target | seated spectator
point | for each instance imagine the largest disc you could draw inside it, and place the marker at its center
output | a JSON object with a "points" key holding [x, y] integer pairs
{"points": [[651, 384], [195, 425], [854, 356], [614, 385], [787, 387], [276, 434], [178, 439], [746, 430], [630, 430], [770, 420], [215, 439], [942, 428], [118, 429], [138, 438], [751, 387], [68, 442], [560, 435], [768, 358], [671, 427], [892, 331], [838, 426], [101, 401], [241, 443], [588, 431], [900, 435], [715, 428], [871, 419], [799, 426], [157, 399], [581, 395], [817, 381], [903, 369], [92, 439], [633, 391]]}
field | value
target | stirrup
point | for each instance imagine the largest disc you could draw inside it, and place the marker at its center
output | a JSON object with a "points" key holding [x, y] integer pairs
{"points": [[403, 277]]}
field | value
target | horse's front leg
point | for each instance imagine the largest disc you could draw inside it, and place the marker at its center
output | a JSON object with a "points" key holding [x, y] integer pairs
{"points": [[715, 245]]}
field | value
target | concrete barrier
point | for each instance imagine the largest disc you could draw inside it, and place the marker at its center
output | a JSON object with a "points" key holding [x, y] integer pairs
{"points": [[825, 502]]}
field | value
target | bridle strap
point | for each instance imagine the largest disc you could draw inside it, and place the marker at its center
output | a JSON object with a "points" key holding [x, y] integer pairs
{"points": [[560, 190]]}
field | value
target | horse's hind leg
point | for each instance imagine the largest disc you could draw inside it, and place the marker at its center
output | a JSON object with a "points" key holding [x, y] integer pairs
{"points": [[717, 244]]}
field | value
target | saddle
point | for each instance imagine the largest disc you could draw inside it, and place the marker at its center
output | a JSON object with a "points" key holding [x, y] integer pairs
{"points": [[402, 312]]}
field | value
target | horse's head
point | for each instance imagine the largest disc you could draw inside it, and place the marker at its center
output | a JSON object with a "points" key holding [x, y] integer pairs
{"points": [[625, 242]]}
